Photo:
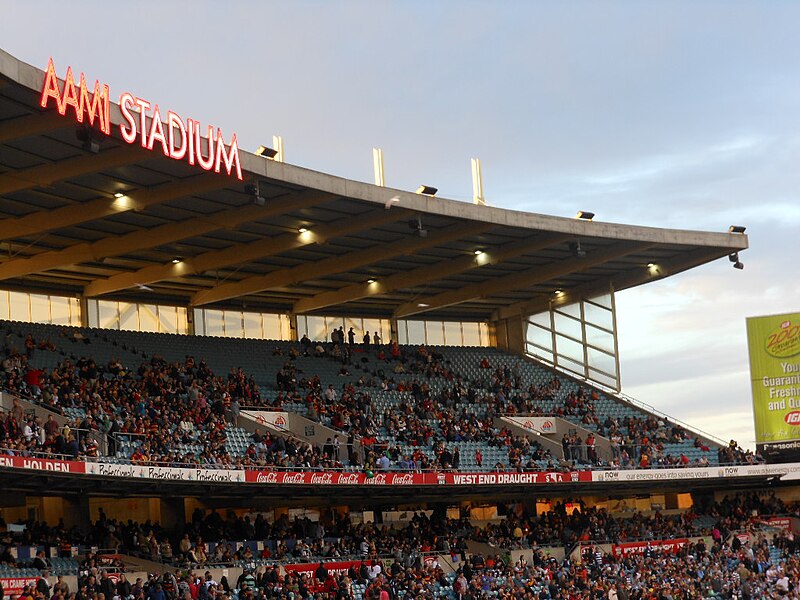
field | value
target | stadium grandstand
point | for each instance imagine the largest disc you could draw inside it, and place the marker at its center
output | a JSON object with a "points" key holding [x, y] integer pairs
{"points": [[224, 376]]}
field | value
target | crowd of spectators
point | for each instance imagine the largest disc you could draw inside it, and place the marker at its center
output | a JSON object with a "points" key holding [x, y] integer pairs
{"points": [[177, 413], [399, 561]]}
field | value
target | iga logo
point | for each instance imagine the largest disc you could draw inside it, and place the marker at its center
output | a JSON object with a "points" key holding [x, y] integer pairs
{"points": [[267, 478], [792, 418], [528, 425], [280, 421]]}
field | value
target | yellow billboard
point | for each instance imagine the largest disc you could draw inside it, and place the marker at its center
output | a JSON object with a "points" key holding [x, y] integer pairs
{"points": [[774, 348]]}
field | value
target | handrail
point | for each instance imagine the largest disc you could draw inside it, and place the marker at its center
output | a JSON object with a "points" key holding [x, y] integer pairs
{"points": [[627, 398]]}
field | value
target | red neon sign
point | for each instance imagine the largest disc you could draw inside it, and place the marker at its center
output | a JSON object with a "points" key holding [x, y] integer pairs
{"points": [[180, 140]]}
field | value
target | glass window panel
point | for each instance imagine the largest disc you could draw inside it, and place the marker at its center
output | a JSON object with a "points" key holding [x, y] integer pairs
{"points": [[599, 316], [386, 330], [108, 314], [571, 365], [452, 333], [486, 339], [317, 329], [434, 333], [182, 324], [416, 332], [75, 312], [332, 323], [20, 308], [569, 348], [372, 325], [402, 334], [233, 323], [604, 379], [148, 318], [602, 361], [357, 325], [542, 353], [540, 337], [542, 319], [573, 310], [302, 327], [59, 310], [471, 333], [604, 300], [252, 325], [568, 326], [40, 308], [598, 337], [214, 322], [272, 326], [285, 330], [94, 313], [199, 316], [168, 319]]}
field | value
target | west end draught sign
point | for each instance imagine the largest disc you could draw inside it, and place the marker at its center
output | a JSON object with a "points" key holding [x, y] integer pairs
{"points": [[180, 139]]}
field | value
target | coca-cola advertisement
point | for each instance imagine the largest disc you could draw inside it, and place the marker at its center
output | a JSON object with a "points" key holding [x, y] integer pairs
{"points": [[408, 479]]}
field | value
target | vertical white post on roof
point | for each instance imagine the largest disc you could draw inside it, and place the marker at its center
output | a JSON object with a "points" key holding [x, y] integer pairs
{"points": [[277, 144], [477, 182], [377, 166]]}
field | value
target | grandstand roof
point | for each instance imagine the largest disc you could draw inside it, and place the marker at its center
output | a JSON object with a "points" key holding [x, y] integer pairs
{"points": [[62, 230]]}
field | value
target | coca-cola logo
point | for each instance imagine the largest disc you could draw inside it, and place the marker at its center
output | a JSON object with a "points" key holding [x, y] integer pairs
{"points": [[322, 478], [407, 479], [294, 478], [379, 479], [267, 478], [351, 479]]}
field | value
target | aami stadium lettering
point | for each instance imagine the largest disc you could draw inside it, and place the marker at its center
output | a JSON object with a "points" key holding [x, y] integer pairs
{"points": [[180, 139]]}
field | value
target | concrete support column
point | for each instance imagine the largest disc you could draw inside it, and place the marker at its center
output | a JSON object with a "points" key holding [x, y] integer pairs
{"points": [[510, 334]]}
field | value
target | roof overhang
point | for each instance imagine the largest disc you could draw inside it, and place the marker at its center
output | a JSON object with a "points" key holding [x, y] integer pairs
{"points": [[182, 235]]}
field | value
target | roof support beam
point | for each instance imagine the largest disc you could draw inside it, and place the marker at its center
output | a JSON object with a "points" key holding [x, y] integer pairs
{"points": [[337, 264], [44, 175], [620, 281], [518, 281], [427, 274], [242, 253], [73, 214], [30, 125], [158, 236]]}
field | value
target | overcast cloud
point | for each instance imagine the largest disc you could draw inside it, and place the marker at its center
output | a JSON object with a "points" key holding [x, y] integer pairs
{"points": [[673, 114]]}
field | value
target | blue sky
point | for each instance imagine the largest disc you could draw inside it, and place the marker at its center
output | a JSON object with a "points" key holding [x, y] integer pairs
{"points": [[676, 114]]}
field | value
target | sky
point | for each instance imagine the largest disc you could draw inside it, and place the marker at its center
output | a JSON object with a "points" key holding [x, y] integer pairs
{"points": [[675, 114]]}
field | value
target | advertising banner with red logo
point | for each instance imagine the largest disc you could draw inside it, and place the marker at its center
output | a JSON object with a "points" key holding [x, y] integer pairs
{"points": [[784, 523], [333, 568], [42, 464], [403, 479], [661, 546], [540, 425], [278, 419], [13, 586], [774, 347]]}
